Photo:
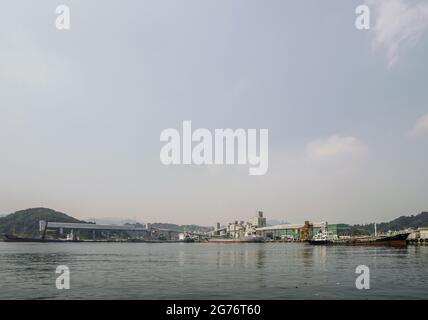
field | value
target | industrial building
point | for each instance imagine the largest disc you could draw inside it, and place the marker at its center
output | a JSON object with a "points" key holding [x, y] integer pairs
{"points": [[74, 231], [419, 236], [293, 232], [302, 231], [240, 229]]}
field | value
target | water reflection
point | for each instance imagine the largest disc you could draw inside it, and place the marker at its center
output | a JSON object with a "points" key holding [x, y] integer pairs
{"points": [[274, 270], [237, 256]]}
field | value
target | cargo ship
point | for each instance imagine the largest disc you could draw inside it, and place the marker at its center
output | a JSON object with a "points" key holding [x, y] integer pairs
{"points": [[396, 239]]}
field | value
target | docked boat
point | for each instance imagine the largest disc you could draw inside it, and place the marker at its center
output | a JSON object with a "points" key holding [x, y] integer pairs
{"points": [[324, 237], [396, 239]]}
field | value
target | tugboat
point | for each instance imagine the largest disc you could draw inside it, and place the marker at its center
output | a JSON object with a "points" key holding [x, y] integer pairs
{"points": [[323, 237]]}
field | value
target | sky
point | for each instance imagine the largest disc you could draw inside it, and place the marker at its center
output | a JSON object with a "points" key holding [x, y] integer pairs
{"points": [[81, 110]]}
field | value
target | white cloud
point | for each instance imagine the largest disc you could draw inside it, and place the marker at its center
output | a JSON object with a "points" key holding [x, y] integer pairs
{"points": [[399, 24], [420, 127], [335, 147]]}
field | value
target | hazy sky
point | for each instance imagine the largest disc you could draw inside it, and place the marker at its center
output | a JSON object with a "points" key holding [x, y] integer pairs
{"points": [[81, 111]]}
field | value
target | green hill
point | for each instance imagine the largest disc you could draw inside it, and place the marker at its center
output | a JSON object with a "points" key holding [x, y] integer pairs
{"points": [[26, 222], [401, 223]]}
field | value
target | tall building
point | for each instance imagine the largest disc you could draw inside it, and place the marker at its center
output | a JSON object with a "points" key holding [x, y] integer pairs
{"points": [[258, 221]]}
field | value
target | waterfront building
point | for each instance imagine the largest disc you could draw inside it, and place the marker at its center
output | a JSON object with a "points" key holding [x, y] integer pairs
{"points": [[236, 230], [301, 231], [423, 233], [340, 229], [257, 226], [240, 229], [420, 233]]}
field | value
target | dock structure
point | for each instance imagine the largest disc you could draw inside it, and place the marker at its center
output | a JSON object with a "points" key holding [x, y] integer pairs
{"points": [[148, 232], [87, 226], [419, 236]]}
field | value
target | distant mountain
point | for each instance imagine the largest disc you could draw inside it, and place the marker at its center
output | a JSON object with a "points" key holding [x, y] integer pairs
{"points": [[401, 223], [26, 222]]}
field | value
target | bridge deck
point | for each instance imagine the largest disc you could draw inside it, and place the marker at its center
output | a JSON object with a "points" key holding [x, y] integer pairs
{"points": [[91, 226]]}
